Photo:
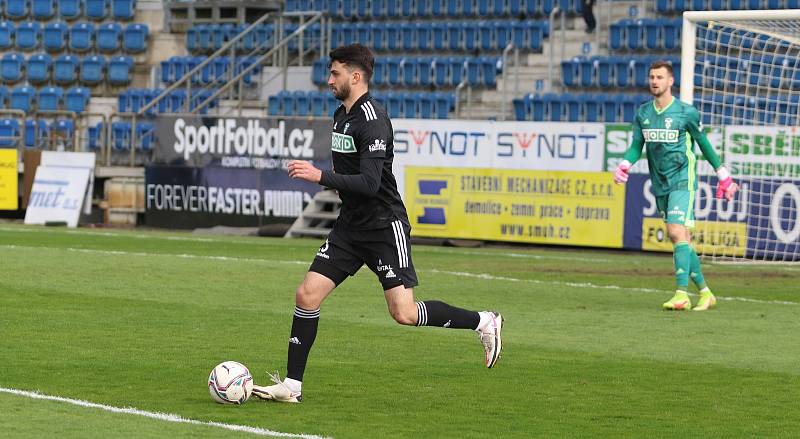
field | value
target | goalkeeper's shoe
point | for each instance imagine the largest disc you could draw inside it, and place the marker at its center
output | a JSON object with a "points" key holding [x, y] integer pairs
{"points": [[679, 302], [279, 392], [491, 338], [707, 301]]}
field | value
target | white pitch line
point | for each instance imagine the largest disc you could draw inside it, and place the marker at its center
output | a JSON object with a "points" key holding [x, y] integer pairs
{"points": [[159, 416], [484, 276]]}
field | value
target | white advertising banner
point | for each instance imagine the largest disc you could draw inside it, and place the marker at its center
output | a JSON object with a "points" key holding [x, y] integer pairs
{"points": [[83, 160], [754, 151], [57, 195], [556, 146]]}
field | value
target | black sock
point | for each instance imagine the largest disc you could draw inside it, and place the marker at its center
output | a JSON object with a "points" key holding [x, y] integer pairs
{"points": [[436, 313], [304, 331]]}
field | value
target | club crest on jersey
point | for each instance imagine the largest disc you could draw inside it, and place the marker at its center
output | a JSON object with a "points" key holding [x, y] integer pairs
{"points": [[346, 126], [668, 123], [342, 143], [378, 145]]}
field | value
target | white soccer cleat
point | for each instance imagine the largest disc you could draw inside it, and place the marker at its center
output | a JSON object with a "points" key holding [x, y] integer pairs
{"points": [[279, 391], [490, 338]]}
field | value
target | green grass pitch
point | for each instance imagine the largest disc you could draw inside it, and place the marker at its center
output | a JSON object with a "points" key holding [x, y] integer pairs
{"points": [[139, 318]]}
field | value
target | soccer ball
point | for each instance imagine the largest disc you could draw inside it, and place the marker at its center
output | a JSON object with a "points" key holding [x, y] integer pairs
{"points": [[230, 383]]}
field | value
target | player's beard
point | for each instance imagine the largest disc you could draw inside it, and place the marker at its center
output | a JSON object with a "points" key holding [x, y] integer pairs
{"points": [[342, 93], [657, 92]]}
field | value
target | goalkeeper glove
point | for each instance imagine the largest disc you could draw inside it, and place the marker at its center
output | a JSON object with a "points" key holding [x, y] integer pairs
{"points": [[726, 185], [621, 174]]}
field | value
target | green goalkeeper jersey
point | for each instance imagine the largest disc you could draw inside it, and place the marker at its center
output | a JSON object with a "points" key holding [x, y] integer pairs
{"points": [[668, 134]]}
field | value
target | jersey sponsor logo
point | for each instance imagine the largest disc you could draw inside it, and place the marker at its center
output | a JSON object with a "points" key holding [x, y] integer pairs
{"points": [[378, 145], [342, 143], [660, 135], [369, 111]]}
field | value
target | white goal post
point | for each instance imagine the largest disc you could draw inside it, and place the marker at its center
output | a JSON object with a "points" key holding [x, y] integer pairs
{"points": [[741, 69]]}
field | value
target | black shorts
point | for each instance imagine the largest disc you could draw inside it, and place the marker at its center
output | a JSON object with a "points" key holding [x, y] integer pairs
{"points": [[386, 252]]}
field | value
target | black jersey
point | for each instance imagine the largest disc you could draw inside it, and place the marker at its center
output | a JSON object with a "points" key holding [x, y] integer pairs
{"points": [[362, 146]]}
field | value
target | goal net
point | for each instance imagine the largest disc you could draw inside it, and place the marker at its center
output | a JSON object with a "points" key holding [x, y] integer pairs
{"points": [[741, 69]]}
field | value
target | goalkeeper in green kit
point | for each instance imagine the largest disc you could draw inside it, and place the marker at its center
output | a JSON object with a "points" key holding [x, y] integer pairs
{"points": [[668, 126]]}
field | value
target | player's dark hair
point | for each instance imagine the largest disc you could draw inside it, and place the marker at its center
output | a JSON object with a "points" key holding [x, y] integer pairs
{"points": [[355, 55], [661, 63]]}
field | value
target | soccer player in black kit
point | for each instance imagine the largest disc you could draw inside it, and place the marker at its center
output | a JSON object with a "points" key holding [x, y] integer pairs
{"points": [[372, 228]]}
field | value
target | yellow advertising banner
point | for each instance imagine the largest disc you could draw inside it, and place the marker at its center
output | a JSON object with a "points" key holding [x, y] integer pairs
{"points": [[708, 237], [8, 179], [549, 207]]}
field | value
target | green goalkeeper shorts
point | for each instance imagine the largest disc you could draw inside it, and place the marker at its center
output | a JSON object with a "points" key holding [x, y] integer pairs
{"points": [[677, 207]]}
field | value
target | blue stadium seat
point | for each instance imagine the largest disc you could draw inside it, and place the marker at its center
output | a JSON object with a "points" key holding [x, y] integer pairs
{"points": [[363, 33], [554, 107], [50, 98], [519, 34], [65, 69], [96, 134], [70, 9], [378, 8], [409, 69], [410, 105], [610, 108], [54, 36], [622, 70], [205, 41], [573, 107], [9, 131], [93, 70], [12, 67], [7, 32], [471, 36], [408, 36], [503, 33], [39, 66], [378, 31], [616, 37], [474, 72], [134, 38], [121, 135], [379, 72], [489, 68], [455, 36], [119, 70], [177, 100], [486, 35], [520, 110], [43, 10], [641, 71], [191, 39], [536, 34], [570, 72], [591, 107], [672, 34], [16, 9], [439, 36], [318, 101], [108, 37], [36, 133], [81, 37], [458, 69], [77, 99], [287, 103], [424, 71], [441, 72], [123, 9], [424, 36], [96, 9], [22, 98], [29, 35], [586, 71], [604, 70], [145, 132], [654, 33], [394, 70], [302, 103], [319, 71], [65, 128], [634, 34], [274, 105]]}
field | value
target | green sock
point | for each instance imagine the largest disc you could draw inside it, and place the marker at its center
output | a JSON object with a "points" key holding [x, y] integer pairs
{"points": [[695, 272], [682, 258]]}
